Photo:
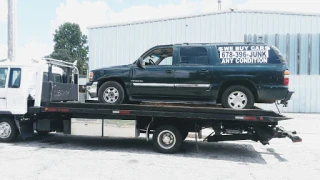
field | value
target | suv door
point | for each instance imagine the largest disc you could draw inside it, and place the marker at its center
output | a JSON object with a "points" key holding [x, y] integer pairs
{"points": [[193, 75], [3, 87], [156, 78]]}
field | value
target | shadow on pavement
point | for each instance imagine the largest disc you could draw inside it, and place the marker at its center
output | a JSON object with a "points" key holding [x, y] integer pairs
{"points": [[242, 153]]}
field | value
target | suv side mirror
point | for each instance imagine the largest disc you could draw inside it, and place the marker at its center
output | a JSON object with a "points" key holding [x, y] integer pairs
{"points": [[140, 63]]}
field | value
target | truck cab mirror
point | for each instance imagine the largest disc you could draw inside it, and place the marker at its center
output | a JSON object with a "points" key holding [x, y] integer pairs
{"points": [[140, 63]]}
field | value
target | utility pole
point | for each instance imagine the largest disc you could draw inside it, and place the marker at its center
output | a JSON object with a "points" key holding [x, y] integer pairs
{"points": [[219, 5], [12, 26]]}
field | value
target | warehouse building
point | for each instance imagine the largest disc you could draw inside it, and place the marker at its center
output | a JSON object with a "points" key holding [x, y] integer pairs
{"points": [[296, 35]]}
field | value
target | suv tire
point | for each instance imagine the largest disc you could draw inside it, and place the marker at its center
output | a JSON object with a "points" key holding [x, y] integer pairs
{"points": [[111, 92], [237, 97]]}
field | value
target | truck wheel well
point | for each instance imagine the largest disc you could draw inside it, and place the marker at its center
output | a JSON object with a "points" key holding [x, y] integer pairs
{"points": [[227, 84], [118, 80]]}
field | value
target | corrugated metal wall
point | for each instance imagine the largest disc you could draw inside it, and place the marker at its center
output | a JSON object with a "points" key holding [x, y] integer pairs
{"points": [[124, 43]]}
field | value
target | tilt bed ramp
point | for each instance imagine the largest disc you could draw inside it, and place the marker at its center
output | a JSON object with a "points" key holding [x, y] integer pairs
{"points": [[169, 123]]}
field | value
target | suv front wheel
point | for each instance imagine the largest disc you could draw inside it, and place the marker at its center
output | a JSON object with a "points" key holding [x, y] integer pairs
{"points": [[111, 92], [237, 97]]}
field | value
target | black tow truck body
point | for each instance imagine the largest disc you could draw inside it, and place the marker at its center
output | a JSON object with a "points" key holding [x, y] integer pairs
{"points": [[179, 119]]}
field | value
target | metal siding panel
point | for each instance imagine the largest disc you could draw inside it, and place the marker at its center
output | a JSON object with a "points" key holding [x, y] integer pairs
{"points": [[307, 92], [197, 30], [297, 96], [304, 55], [293, 56], [315, 68], [219, 27], [208, 30]]}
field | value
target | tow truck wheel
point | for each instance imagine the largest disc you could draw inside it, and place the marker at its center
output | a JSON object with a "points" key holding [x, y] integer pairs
{"points": [[167, 139], [111, 92], [8, 130], [237, 97]]}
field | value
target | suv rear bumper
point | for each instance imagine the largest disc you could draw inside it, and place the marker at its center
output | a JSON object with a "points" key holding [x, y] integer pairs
{"points": [[270, 94], [92, 89]]}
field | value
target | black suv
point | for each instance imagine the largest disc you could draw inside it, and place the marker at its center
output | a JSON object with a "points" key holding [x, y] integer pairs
{"points": [[237, 75]]}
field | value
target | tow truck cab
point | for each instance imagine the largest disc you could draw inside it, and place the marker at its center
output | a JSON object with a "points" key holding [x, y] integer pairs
{"points": [[19, 84]]}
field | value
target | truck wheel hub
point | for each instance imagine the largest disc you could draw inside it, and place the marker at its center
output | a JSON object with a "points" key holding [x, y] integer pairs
{"points": [[166, 139], [111, 95], [237, 100], [5, 130]]}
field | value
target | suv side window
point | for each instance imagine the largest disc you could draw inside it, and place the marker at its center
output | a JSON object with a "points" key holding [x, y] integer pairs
{"points": [[161, 56], [3, 77], [194, 55], [15, 78], [166, 61]]}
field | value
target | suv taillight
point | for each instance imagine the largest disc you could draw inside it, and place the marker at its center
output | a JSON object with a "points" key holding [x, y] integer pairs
{"points": [[286, 77], [90, 76]]}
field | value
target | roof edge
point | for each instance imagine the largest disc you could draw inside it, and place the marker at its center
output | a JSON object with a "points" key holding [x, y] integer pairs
{"points": [[200, 14]]}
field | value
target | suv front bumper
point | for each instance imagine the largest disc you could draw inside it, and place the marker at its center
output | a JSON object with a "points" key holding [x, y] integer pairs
{"points": [[92, 89]]}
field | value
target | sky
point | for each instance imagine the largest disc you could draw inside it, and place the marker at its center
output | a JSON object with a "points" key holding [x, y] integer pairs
{"points": [[38, 19]]}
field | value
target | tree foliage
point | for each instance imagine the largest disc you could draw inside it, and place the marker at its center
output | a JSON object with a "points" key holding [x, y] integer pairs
{"points": [[70, 45]]}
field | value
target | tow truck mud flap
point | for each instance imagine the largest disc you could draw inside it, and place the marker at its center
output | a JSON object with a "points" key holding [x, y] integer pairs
{"points": [[25, 128]]}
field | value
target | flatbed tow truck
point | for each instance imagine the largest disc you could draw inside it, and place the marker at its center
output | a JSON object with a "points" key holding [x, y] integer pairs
{"points": [[45, 106]]}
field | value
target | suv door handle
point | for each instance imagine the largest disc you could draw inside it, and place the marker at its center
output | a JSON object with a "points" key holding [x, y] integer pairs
{"points": [[168, 71], [2, 98], [204, 71]]}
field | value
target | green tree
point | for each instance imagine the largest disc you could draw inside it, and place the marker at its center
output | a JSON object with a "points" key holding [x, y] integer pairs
{"points": [[70, 45]]}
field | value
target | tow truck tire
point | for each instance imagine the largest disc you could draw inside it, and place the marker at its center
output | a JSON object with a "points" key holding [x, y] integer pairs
{"points": [[167, 139], [232, 96], [111, 92], [8, 130]]}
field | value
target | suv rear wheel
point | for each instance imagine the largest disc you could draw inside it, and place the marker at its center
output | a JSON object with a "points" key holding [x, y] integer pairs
{"points": [[111, 92], [237, 97]]}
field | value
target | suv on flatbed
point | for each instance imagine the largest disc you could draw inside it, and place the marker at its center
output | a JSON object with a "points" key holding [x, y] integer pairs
{"points": [[237, 75]]}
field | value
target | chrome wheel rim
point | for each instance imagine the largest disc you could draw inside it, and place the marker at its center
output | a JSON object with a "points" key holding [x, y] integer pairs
{"points": [[5, 130], [166, 139], [237, 100], [111, 95]]}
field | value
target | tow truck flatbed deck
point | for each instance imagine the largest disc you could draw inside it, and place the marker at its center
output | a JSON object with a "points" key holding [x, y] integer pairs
{"points": [[131, 111]]}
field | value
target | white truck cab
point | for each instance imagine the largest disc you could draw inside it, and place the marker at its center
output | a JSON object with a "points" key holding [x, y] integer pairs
{"points": [[27, 83], [17, 81]]}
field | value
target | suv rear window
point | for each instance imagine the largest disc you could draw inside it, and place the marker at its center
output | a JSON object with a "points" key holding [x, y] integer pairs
{"points": [[249, 54], [194, 55]]}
